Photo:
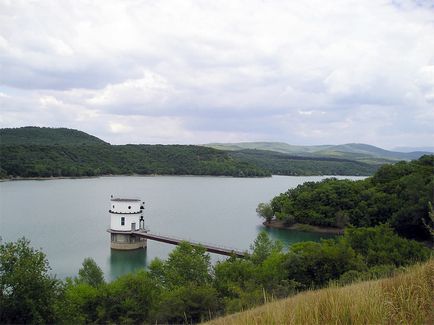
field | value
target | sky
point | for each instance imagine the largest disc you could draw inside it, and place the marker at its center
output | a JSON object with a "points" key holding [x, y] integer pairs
{"points": [[192, 72]]}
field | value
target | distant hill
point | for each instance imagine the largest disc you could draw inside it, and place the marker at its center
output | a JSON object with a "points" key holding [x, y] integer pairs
{"points": [[347, 150], [285, 164], [31, 135], [271, 146], [412, 149], [353, 151], [50, 152]]}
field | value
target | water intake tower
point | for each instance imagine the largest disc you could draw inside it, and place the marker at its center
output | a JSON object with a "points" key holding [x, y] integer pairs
{"points": [[126, 217]]}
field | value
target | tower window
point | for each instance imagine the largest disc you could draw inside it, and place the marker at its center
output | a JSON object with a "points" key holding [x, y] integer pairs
{"points": [[122, 221], [129, 207]]}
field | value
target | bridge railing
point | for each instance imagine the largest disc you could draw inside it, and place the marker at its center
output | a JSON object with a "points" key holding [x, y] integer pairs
{"points": [[195, 242]]}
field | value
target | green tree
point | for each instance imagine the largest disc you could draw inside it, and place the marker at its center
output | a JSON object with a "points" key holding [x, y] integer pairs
{"points": [[187, 304], [265, 210], [315, 264], [429, 225], [237, 285], [187, 264], [129, 299], [27, 292], [381, 246], [184, 280], [90, 273], [233, 275], [263, 246], [83, 303]]}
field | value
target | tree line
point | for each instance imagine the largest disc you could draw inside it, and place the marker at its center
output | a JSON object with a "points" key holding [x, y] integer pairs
{"points": [[95, 160], [60, 152], [400, 195], [186, 288]]}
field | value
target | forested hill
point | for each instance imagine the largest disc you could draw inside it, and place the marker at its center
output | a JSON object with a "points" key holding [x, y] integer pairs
{"points": [[51, 152], [31, 135], [93, 160], [400, 195]]}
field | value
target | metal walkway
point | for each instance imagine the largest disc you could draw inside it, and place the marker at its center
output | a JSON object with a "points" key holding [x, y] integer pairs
{"points": [[176, 241]]}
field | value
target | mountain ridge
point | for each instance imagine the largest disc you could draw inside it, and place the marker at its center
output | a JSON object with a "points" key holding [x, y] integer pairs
{"points": [[353, 151]]}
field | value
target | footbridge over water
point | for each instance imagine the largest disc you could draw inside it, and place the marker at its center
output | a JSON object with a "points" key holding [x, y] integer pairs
{"points": [[176, 241], [128, 231]]}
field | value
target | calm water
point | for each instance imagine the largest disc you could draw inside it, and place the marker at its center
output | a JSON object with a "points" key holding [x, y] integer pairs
{"points": [[68, 218]]}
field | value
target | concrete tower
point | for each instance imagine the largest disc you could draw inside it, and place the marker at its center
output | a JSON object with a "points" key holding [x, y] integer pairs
{"points": [[126, 217]]}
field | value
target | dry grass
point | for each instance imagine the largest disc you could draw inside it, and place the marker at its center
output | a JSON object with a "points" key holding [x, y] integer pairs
{"points": [[407, 298]]}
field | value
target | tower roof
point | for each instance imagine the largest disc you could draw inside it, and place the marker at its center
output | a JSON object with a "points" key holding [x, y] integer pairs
{"points": [[118, 199]]}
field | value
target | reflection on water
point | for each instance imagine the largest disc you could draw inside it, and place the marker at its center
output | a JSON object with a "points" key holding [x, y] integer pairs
{"points": [[122, 262]]}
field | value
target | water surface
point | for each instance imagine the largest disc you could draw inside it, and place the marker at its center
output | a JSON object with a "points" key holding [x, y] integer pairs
{"points": [[68, 218]]}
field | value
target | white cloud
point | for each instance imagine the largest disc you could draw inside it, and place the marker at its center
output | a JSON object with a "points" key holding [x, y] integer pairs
{"points": [[425, 83], [150, 89], [309, 71], [118, 127], [49, 101]]}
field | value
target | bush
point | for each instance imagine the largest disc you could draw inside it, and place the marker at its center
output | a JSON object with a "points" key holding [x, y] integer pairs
{"points": [[28, 294], [381, 246]]}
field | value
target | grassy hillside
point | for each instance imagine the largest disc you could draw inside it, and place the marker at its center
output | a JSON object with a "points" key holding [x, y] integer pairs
{"points": [[406, 298], [365, 152], [271, 146], [285, 164], [353, 151], [31, 135]]}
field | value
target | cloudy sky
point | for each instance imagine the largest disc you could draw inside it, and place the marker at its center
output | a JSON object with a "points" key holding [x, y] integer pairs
{"points": [[301, 72]]}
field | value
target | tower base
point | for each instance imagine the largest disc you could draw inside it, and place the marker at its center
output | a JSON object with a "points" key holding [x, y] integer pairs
{"points": [[127, 242]]}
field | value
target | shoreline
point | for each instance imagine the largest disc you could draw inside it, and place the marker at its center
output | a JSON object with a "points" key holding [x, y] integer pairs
{"points": [[52, 178], [13, 179], [278, 224], [19, 178]]}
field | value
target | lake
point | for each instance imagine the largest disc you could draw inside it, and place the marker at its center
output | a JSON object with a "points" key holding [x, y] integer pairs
{"points": [[68, 218]]}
